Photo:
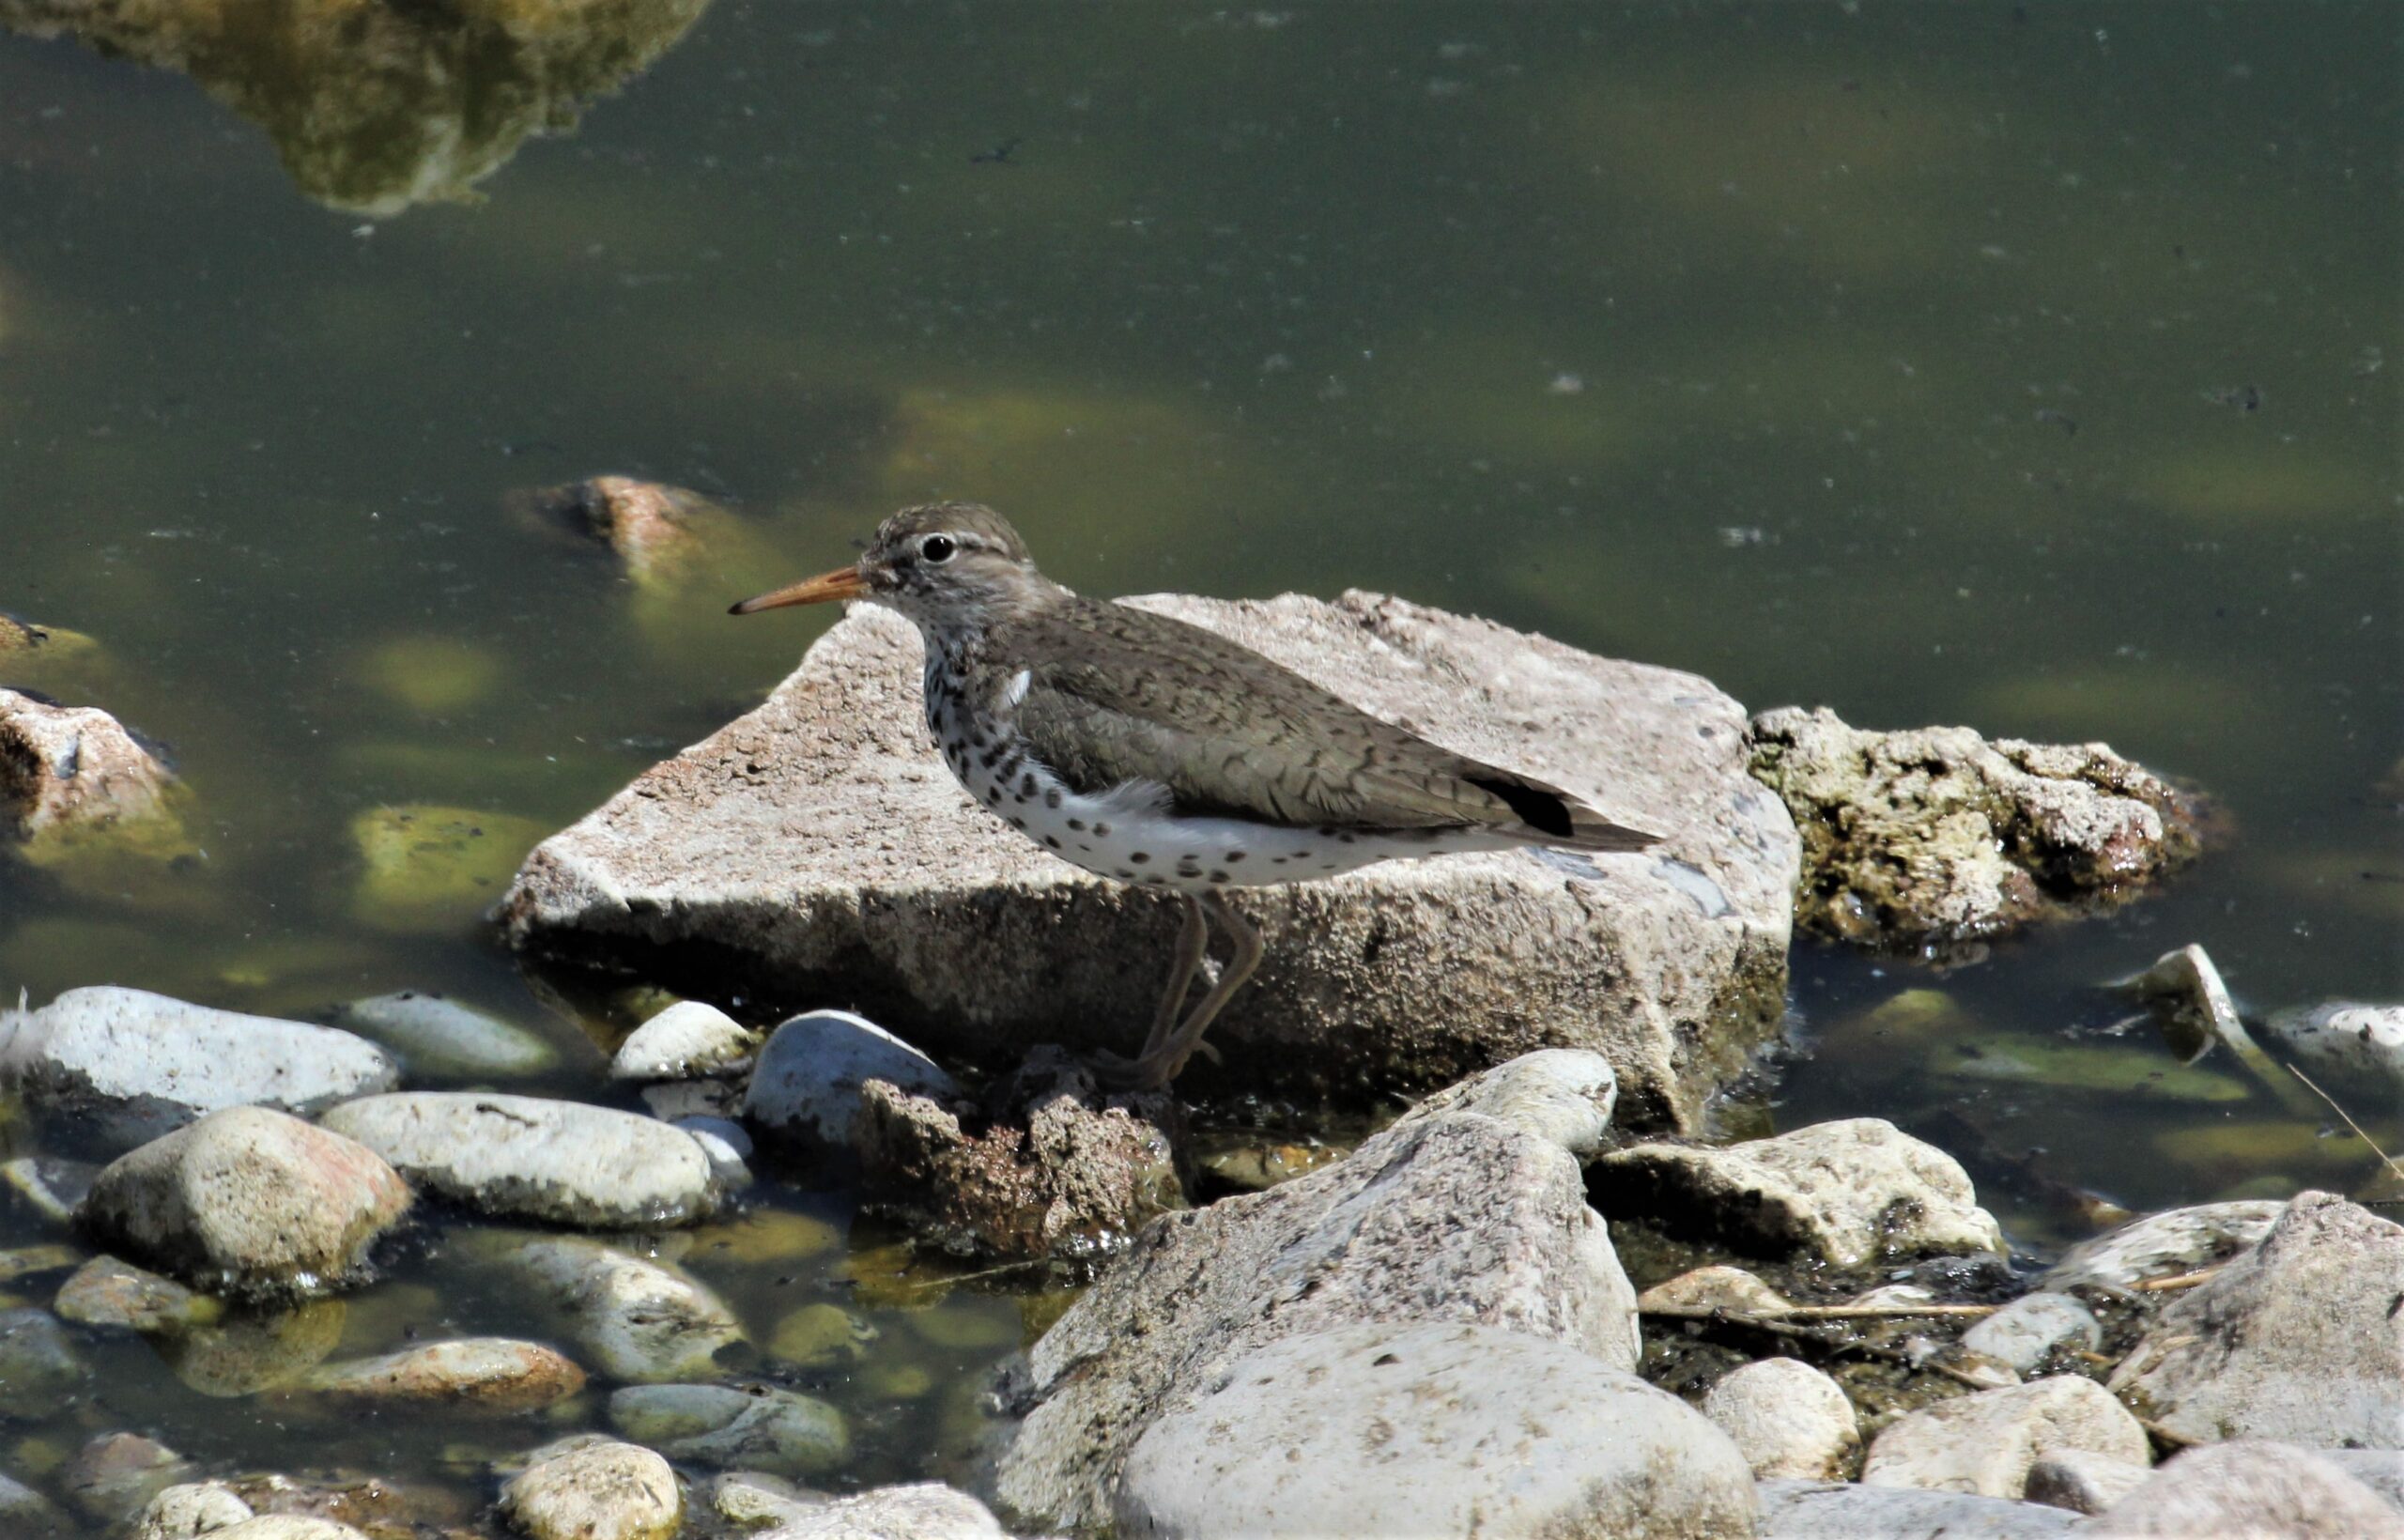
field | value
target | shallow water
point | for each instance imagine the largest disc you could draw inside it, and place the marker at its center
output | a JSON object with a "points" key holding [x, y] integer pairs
{"points": [[2033, 367]]}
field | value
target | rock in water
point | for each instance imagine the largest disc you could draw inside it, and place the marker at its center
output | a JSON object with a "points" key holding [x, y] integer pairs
{"points": [[1433, 1430], [603, 1491], [1052, 1168], [249, 1201], [65, 767], [821, 844], [1935, 837], [120, 1066], [1450, 1218]]}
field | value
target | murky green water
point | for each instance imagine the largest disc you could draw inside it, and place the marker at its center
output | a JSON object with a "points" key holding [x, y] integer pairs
{"points": [[2033, 367]]}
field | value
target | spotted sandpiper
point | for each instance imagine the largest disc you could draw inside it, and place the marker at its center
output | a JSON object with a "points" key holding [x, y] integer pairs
{"points": [[1158, 753]]}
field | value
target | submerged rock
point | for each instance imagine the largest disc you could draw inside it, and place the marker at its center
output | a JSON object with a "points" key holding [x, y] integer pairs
{"points": [[487, 1375], [1048, 1166], [376, 108], [632, 1318], [820, 845], [429, 869], [2300, 1339], [191, 1509], [742, 1427], [1844, 1192], [1454, 1218], [249, 1201], [106, 1293], [120, 1066], [563, 1162], [437, 1036], [1935, 838], [805, 1087], [116, 1475], [656, 532], [38, 1366], [2264, 1491], [255, 1348], [2362, 1044], [603, 1491], [1436, 1430]]}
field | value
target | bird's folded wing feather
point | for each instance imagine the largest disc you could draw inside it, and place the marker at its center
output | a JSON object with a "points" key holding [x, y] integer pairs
{"points": [[1129, 696]]}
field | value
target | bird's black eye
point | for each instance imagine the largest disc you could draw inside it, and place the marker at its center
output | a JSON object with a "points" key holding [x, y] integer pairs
{"points": [[938, 549]]}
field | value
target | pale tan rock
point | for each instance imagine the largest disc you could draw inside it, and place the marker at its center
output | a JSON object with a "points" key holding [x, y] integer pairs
{"points": [[822, 839], [1788, 1418], [604, 1491], [486, 1375], [1984, 1442]]}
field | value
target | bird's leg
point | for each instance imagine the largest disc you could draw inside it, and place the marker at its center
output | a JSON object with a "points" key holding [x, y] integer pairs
{"points": [[1158, 1065], [1192, 942]]}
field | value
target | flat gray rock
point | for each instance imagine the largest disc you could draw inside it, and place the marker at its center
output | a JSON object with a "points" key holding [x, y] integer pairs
{"points": [[2300, 1339], [2260, 1490], [1844, 1192], [820, 843], [1804, 1510], [1432, 1430], [249, 1201], [743, 1427], [120, 1067], [2361, 1043], [1456, 1218], [532, 1157]]}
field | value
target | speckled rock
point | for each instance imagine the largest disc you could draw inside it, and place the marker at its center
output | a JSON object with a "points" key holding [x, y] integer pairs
{"points": [[1456, 1218], [1802, 1510], [603, 1491], [1846, 1192], [1787, 1417], [2263, 1491], [1431, 1429], [1048, 1165], [631, 1319], [117, 1067], [288, 1527], [2302, 1339], [248, 1201], [563, 1162], [1935, 838], [191, 1509], [468, 1375], [805, 1088], [820, 843], [68, 767], [1985, 1442]]}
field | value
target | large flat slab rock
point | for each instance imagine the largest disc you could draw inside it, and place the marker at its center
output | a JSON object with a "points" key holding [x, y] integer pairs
{"points": [[817, 850]]}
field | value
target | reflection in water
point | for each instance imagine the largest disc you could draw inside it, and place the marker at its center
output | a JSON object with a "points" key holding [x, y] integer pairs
{"points": [[379, 104]]}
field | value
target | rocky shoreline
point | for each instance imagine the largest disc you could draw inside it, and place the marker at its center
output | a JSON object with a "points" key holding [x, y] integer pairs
{"points": [[1538, 1300]]}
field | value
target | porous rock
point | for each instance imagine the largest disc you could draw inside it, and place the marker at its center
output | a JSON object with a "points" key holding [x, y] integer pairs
{"points": [[116, 1067], [1787, 1417], [818, 847], [1804, 1510], [563, 1162], [2300, 1339], [1456, 1218], [1050, 1167], [249, 1201], [1935, 838], [601, 1491], [1432, 1429], [2261, 1491], [1844, 1192], [1985, 1442]]}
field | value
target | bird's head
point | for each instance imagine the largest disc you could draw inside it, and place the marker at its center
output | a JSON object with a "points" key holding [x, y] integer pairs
{"points": [[944, 566]]}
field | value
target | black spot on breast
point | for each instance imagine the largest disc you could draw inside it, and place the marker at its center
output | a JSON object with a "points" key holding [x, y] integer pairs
{"points": [[1052, 840], [1027, 785], [1078, 825], [1018, 823], [1232, 856], [1124, 875], [1139, 857], [1217, 876], [1052, 798], [1103, 830]]}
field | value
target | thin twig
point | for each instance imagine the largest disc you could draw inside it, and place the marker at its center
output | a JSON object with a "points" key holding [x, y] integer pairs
{"points": [[950, 1278], [2394, 1170], [2180, 1280], [1829, 1338]]}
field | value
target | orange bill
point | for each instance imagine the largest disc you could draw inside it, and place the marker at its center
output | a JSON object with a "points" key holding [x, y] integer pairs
{"points": [[842, 583]]}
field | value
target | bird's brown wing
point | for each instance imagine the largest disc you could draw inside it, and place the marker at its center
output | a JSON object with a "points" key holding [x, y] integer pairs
{"points": [[1117, 695]]}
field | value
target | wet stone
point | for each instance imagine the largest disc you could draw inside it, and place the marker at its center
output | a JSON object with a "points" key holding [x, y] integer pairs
{"points": [[26, 1513], [480, 1375], [603, 1491], [563, 1162], [31, 1261], [252, 1348], [68, 767], [249, 1201], [49, 1186], [120, 1066], [38, 1364], [106, 1293], [2166, 1244], [191, 1509], [751, 1427], [435, 1036], [807, 1086], [820, 1336], [926, 1511], [688, 1039], [116, 1475], [631, 1319], [2360, 1043]]}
